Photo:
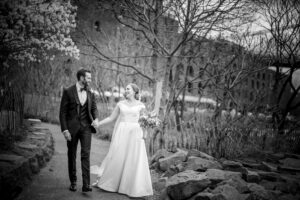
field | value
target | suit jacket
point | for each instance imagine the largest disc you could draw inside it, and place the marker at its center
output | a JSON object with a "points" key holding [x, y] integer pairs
{"points": [[70, 108]]}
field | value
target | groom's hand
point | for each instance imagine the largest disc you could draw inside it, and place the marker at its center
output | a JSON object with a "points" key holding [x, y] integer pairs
{"points": [[67, 135], [95, 123]]}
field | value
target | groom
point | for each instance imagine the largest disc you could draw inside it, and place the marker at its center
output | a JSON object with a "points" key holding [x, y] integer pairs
{"points": [[78, 111]]}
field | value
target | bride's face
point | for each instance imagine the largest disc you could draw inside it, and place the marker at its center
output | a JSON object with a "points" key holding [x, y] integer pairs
{"points": [[129, 93]]}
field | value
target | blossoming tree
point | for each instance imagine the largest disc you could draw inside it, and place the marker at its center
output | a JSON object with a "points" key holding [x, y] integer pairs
{"points": [[33, 30]]}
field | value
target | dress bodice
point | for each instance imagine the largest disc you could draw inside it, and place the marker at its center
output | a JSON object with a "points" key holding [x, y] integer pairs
{"points": [[130, 113]]}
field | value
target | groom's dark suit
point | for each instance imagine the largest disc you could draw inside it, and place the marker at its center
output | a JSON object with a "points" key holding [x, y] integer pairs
{"points": [[77, 119]]}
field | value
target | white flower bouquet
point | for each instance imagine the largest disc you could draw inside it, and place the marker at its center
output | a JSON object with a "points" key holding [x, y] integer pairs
{"points": [[148, 120]]}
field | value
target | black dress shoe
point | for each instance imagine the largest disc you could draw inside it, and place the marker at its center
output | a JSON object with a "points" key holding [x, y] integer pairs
{"points": [[87, 189], [73, 187]]}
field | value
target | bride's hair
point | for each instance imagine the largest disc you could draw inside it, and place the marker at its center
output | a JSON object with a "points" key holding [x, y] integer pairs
{"points": [[136, 90]]}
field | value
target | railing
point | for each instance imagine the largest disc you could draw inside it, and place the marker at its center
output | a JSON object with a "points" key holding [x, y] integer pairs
{"points": [[11, 109]]}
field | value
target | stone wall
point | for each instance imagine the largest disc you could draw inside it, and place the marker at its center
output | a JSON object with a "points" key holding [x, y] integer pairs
{"points": [[25, 159]]}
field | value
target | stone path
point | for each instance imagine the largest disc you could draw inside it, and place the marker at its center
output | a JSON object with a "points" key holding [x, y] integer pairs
{"points": [[52, 182]]}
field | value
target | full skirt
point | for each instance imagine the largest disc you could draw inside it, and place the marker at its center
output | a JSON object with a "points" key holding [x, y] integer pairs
{"points": [[125, 168]]}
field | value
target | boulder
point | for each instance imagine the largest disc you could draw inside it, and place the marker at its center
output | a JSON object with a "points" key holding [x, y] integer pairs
{"points": [[275, 157], [170, 171], [161, 153], [268, 184], [164, 195], [205, 196], [201, 164], [251, 176], [292, 184], [290, 162], [180, 167], [268, 167], [216, 175], [237, 183], [11, 158], [291, 155], [288, 169], [269, 176], [258, 192], [227, 192], [160, 184], [200, 154], [251, 165], [174, 159], [233, 166], [34, 165], [34, 121], [186, 184], [289, 197]]}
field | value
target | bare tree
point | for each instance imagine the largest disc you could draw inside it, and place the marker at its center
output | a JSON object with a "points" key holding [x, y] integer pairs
{"points": [[281, 21], [168, 27]]}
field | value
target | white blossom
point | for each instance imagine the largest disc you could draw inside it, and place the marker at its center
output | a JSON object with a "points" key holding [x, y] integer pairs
{"points": [[35, 28]]}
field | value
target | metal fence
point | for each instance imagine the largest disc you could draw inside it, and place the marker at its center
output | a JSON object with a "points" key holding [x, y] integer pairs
{"points": [[11, 108]]}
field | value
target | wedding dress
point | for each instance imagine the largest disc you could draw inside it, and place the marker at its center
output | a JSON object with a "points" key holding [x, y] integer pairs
{"points": [[125, 168]]}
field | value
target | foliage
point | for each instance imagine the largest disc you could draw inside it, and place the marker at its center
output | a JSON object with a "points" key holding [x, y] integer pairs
{"points": [[32, 29]]}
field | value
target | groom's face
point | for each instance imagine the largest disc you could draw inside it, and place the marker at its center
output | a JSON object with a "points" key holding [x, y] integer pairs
{"points": [[87, 79]]}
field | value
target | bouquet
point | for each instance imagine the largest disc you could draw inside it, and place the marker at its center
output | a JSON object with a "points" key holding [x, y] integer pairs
{"points": [[148, 120]]}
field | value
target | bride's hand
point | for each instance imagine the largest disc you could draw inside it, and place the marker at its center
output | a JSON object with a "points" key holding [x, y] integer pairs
{"points": [[95, 123]]}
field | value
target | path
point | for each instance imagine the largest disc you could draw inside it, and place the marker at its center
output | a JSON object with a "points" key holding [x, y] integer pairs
{"points": [[52, 182]]}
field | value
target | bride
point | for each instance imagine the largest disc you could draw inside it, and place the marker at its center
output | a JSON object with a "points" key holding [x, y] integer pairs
{"points": [[125, 168]]}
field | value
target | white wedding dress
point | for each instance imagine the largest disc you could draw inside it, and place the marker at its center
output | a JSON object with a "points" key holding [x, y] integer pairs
{"points": [[125, 168]]}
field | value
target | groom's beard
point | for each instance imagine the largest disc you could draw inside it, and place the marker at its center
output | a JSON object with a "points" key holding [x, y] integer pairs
{"points": [[85, 84]]}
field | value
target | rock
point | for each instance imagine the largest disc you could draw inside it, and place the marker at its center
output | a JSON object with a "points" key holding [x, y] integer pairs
{"points": [[164, 195], [26, 146], [283, 187], [268, 167], [255, 187], [292, 184], [170, 172], [11, 158], [216, 175], [186, 184], [233, 166], [160, 184], [289, 197], [269, 176], [180, 167], [205, 196], [238, 184], [161, 153], [288, 169], [275, 157], [251, 165], [291, 155], [33, 137], [39, 133], [34, 121], [176, 158], [196, 153], [290, 162], [227, 192], [268, 184], [39, 128], [280, 186], [251, 176], [258, 192], [201, 164], [154, 165], [34, 165]]}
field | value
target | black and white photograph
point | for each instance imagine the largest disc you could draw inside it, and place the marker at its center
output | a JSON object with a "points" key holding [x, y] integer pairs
{"points": [[150, 99]]}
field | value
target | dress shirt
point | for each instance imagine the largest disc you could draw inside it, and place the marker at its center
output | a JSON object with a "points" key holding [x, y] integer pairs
{"points": [[81, 94]]}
